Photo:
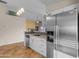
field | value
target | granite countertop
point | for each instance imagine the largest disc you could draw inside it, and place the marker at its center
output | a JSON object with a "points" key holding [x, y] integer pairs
{"points": [[36, 33]]}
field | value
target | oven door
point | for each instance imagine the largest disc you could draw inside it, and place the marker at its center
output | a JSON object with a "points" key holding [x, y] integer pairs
{"points": [[50, 39], [50, 46]]}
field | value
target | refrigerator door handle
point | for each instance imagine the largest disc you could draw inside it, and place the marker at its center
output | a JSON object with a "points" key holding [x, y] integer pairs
{"points": [[57, 34]]}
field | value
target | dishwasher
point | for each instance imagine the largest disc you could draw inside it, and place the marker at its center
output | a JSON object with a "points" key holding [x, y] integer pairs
{"points": [[26, 41]]}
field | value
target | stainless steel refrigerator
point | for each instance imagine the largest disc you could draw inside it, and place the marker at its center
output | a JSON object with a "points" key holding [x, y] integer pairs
{"points": [[65, 28]]}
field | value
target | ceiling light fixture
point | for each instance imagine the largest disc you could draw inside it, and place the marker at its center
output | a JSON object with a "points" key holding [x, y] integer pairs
{"points": [[20, 11]]}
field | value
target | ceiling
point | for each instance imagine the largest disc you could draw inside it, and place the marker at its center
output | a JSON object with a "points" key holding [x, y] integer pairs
{"points": [[31, 7], [47, 2], [38, 6]]}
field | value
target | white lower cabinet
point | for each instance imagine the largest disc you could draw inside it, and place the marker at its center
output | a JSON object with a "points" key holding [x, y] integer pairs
{"points": [[43, 47], [31, 43], [39, 45]]}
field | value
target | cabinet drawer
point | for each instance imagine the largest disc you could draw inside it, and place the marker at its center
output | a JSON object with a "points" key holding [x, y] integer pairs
{"points": [[43, 40], [43, 43]]}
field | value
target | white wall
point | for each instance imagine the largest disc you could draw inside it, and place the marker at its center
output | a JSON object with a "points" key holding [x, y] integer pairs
{"points": [[11, 28], [2, 8]]}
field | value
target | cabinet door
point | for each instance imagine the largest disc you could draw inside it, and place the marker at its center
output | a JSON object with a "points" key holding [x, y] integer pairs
{"points": [[36, 44], [42, 46]]}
